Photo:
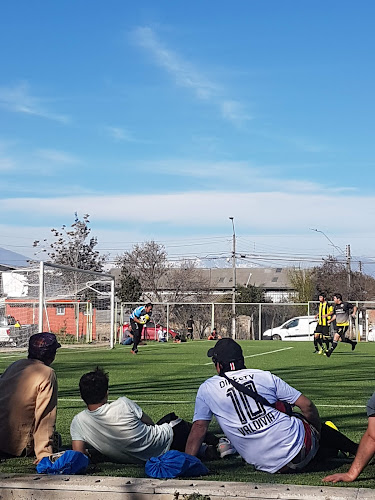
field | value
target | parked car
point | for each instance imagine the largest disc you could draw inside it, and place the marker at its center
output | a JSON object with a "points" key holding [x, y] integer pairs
{"points": [[299, 328], [150, 331], [5, 337], [12, 336]]}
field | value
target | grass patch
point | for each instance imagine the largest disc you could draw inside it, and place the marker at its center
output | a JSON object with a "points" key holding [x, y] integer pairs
{"points": [[165, 377]]}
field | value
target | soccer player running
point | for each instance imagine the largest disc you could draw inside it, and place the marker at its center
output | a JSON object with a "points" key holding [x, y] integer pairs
{"points": [[322, 328], [341, 313], [137, 321]]}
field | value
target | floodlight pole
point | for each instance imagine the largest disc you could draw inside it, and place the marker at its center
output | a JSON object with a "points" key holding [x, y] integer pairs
{"points": [[234, 280]]}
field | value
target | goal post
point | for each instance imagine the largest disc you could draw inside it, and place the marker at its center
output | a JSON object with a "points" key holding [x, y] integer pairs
{"points": [[77, 305]]}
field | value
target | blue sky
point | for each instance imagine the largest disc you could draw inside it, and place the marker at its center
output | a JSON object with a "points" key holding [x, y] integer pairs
{"points": [[162, 119]]}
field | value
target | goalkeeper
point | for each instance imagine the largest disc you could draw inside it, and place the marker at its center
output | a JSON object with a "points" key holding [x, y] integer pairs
{"points": [[138, 318], [322, 331]]}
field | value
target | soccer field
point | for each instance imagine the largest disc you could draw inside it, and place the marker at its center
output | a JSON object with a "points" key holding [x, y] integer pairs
{"points": [[165, 377]]}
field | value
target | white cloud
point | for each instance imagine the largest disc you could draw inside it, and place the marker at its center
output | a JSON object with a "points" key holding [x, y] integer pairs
{"points": [[57, 156], [120, 134], [6, 164], [188, 76], [234, 112], [184, 73], [261, 211], [18, 100]]}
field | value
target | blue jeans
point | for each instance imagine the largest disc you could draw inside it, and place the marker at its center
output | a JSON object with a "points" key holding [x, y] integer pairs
{"points": [[127, 341]]}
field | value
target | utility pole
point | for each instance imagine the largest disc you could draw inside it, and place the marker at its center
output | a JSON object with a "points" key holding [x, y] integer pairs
{"points": [[348, 268], [234, 281]]}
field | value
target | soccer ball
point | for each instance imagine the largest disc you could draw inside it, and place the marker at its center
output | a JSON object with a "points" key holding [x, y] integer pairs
{"points": [[144, 319]]}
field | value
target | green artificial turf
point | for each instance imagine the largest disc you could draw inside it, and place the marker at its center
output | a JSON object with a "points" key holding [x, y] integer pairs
{"points": [[165, 377]]}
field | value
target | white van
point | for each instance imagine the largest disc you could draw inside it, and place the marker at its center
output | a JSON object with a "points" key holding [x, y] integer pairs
{"points": [[299, 328]]}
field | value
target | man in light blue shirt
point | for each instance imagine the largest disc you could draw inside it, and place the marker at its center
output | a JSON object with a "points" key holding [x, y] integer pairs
{"points": [[138, 319]]}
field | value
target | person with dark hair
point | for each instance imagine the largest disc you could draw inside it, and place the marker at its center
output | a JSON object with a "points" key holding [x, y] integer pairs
{"points": [[214, 335], [120, 431], [190, 328], [138, 319], [322, 333], [341, 314], [245, 404], [28, 401]]}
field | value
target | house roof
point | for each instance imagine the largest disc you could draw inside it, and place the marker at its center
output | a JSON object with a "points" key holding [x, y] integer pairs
{"points": [[221, 279]]}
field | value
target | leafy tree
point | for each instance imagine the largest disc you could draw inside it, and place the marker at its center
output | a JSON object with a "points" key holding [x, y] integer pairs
{"points": [[250, 293], [71, 247], [304, 283], [129, 288]]}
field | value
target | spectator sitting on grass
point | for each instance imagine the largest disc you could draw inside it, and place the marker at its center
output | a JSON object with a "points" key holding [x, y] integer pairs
{"points": [[120, 431], [180, 337], [28, 400], [128, 337], [162, 334], [214, 335], [264, 436]]}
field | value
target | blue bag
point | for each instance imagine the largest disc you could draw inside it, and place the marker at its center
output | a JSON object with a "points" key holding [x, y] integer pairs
{"points": [[175, 464], [70, 462]]}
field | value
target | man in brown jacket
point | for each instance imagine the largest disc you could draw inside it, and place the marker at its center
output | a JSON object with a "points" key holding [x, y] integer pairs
{"points": [[28, 400]]}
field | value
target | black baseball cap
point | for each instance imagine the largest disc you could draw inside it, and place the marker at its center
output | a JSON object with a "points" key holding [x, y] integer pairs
{"points": [[226, 350], [43, 343]]}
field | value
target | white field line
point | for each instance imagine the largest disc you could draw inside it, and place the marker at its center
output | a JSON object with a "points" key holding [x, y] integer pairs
{"points": [[261, 353], [139, 401]]}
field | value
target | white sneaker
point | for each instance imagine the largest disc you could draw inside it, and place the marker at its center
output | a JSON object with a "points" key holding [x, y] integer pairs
{"points": [[225, 447]]}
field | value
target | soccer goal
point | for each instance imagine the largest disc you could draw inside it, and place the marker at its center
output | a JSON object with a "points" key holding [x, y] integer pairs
{"points": [[75, 304]]}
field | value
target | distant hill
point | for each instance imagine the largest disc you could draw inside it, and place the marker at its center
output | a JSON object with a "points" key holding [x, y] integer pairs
{"points": [[13, 259]]}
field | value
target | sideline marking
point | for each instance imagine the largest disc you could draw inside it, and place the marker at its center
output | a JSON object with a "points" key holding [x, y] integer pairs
{"points": [[261, 353], [140, 401]]}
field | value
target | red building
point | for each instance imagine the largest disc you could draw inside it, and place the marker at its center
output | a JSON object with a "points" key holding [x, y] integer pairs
{"points": [[62, 317]]}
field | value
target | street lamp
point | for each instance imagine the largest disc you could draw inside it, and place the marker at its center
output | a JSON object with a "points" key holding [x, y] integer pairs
{"points": [[348, 257], [234, 281], [331, 242]]}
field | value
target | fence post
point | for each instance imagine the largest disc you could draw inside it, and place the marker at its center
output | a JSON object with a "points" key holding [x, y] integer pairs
{"points": [[87, 323], [41, 295], [260, 322], [112, 327], [212, 316], [76, 313], [356, 324], [167, 320]]}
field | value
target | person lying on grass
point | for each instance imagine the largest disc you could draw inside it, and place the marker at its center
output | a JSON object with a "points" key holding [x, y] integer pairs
{"points": [[121, 431], [366, 450], [267, 438]]}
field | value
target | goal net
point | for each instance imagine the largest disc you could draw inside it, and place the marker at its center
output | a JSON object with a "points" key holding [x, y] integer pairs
{"points": [[76, 305]]}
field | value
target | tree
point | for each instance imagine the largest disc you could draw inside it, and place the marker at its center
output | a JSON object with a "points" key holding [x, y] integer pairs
{"points": [[250, 293], [70, 247], [304, 283], [148, 263], [332, 277], [129, 288], [186, 283]]}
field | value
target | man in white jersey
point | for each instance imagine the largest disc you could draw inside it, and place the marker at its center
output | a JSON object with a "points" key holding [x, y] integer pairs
{"points": [[265, 437], [121, 431]]}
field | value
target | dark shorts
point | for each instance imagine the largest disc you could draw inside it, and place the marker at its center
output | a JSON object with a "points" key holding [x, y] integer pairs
{"points": [[322, 330], [341, 330]]}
